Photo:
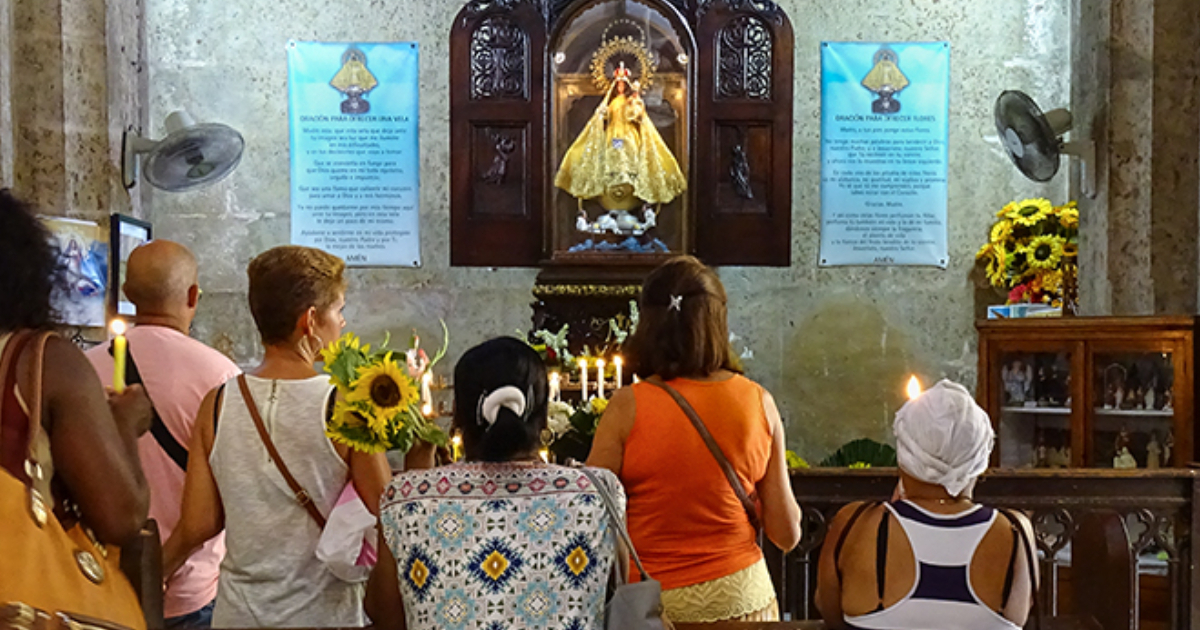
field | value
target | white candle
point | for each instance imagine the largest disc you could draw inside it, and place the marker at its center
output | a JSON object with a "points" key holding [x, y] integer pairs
{"points": [[600, 378], [554, 387], [583, 380], [618, 362], [426, 394]]}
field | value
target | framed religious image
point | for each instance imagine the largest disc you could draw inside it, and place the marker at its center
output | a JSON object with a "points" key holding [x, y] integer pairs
{"points": [[79, 288], [125, 235], [620, 107]]}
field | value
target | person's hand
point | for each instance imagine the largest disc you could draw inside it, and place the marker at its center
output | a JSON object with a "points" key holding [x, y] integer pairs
{"points": [[131, 409], [420, 456]]}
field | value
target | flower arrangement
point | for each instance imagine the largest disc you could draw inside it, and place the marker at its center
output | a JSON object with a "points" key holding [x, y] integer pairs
{"points": [[379, 397], [1029, 248], [571, 429]]}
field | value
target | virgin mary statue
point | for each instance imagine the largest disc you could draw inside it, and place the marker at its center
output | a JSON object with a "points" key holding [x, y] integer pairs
{"points": [[619, 159]]}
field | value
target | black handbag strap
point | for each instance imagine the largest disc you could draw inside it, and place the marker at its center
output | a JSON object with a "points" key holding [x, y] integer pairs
{"points": [[162, 435], [748, 503], [1029, 560]]}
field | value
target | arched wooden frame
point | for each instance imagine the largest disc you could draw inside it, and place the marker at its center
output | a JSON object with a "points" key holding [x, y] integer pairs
{"points": [[739, 115]]}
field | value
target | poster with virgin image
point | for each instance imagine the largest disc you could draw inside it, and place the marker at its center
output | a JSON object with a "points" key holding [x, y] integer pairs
{"points": [[352, 110], [884, 132]]}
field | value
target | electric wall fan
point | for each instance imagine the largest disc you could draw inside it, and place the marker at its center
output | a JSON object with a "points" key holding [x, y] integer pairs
{"points": [[192, 155], [1034, 141]]}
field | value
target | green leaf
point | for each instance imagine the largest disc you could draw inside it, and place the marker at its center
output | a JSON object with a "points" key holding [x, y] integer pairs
{"points": [[862, 451], [344, 368]]}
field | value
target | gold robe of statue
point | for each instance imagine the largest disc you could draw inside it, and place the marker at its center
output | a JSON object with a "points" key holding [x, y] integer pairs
{"points": [[619, 158]]}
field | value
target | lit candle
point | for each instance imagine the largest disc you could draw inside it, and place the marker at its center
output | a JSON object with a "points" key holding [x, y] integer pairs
{"points": [[554, 387], [600, 378], [120, 347], [583, 380], [545, 453], [914, 388], [456, 447], [618, 362], [426, 394]]}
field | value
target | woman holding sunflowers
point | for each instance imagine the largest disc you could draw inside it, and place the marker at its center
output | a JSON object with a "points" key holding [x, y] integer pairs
{"points": [[271, 576]]}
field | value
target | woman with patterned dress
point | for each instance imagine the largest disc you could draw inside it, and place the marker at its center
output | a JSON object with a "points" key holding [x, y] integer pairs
{"points": [[502, 540]]}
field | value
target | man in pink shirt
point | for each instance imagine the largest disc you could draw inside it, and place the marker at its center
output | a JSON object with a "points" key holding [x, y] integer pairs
{"points": [[177, 372]]}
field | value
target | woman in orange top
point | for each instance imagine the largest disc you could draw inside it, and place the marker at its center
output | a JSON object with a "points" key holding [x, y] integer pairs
{"points": [[687, 523]]}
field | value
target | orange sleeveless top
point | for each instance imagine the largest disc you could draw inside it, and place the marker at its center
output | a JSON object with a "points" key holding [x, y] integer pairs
{"points": [[686, 522]]}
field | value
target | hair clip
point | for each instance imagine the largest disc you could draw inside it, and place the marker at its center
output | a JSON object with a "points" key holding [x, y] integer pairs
{"points": [[676, 303]]}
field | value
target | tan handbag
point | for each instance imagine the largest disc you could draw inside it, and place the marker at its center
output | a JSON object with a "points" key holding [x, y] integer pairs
{"points": [[51, 577]]}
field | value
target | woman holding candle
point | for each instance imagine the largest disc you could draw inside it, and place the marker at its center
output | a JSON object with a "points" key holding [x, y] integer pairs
{"points": [[84, 444], [689, 525]]}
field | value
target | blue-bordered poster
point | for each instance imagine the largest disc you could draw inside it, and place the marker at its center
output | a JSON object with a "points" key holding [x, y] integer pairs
{"points": [[884, 131], [352, 111]]}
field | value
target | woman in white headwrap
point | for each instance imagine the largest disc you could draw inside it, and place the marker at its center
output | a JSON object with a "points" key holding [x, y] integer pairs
{"points": [[931, 558]]}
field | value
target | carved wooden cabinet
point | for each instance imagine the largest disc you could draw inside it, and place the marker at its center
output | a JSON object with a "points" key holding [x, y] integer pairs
{"points": [[712, 81], [1098, 392]]}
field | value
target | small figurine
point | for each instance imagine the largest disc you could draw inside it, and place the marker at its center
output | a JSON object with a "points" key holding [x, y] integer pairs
{"points": [[1153, 452], [1041, 459], [1167, 396], [1139, 399], [1017, 381], [607, 223], [649, 218], [1168, 446], [1124, 459], [1118, 397], [1059, 457], [581, 222], [1149, 399]]}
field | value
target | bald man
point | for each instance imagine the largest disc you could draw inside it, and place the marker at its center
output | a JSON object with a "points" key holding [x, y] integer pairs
{"points": [[177, 372]]}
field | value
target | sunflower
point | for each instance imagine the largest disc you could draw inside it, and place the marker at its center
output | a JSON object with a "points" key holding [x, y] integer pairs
{"points": [[1070, 249], [1044, 252], [1008, 207], [1030, 211], [1068, 216], [1052, 281], [348, 341], [1002, 231], [385, 387], [997, 258]]}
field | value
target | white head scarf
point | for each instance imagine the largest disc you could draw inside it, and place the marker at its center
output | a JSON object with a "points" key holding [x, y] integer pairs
{"points": [[943, 437]]}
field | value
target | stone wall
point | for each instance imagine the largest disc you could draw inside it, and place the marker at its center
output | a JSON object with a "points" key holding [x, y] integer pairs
{"points": [[833, 345]]}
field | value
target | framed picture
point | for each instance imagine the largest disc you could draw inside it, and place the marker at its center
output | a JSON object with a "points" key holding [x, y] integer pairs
{"points": [[125, 235], [79, 291]]}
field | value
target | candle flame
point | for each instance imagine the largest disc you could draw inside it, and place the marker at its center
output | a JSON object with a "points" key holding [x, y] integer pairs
{"points": [[583, 363], [457, 440], [545, 453], [617, 360], [914, 387], [427, 409], [118, 327]]}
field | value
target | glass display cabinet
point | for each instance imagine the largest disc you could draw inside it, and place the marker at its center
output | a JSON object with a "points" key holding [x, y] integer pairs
{"points": [[1099, 392]]}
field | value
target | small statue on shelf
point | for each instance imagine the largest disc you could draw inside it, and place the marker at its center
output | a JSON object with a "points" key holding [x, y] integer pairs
{"points": [[1167, 397], [1123, 458], [1059, 457], [1168, 446], [1153, 452], [1041, 457], [1017, 381], [1149, 399]]}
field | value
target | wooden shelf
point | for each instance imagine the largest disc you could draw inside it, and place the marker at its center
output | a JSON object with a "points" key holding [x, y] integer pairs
{"points": [[1049, 411], [1136, 413]]}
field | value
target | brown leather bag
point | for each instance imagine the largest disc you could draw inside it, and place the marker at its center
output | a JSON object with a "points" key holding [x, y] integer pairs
{"points": [[51, 577]]}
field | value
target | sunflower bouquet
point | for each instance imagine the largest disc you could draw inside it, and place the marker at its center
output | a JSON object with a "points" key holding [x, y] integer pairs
{"points": [[1029, 248], [378, 406]]}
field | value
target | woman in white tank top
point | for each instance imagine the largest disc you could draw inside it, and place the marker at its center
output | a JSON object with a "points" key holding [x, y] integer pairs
{"points": [[271, 576]]}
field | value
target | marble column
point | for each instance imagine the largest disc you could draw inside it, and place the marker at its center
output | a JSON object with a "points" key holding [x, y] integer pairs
{"points": [[72, 80], [1135, 83]]}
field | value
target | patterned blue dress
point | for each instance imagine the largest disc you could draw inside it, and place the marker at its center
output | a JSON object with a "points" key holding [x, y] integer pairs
{"points": [[510, 546]]}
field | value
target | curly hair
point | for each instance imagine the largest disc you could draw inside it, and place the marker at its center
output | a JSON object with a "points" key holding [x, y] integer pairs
{"points": [[30, 267]]}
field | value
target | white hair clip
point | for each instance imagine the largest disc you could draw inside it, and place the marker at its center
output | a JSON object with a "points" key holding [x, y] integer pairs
{"points": [[676, 303], [508, 396]]}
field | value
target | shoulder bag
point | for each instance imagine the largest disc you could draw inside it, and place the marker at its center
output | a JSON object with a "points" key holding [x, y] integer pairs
{"points": [[636, 606], [749, 501], [53, 577]]}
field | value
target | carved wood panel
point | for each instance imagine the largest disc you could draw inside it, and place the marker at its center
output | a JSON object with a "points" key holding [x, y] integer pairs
{"points": [[499, 60], [500, 158], [743, 164], [745, 58]]}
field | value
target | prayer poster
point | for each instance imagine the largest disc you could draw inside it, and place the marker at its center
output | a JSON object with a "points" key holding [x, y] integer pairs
{"points": [[884, 132], [352, 110]]}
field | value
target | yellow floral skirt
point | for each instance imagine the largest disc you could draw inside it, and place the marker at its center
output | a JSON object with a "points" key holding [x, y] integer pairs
{"points": [[747, 595]]}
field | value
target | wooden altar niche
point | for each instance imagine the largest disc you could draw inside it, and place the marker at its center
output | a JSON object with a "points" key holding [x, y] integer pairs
{"points": [[735, 123]]}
